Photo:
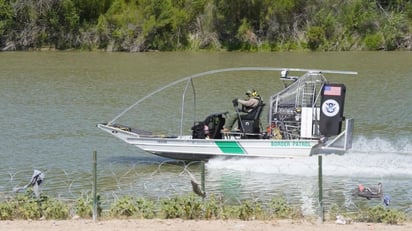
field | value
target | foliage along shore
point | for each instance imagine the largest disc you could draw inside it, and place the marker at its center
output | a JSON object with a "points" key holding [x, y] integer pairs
{"points": [[27, 206], [170, 25]]}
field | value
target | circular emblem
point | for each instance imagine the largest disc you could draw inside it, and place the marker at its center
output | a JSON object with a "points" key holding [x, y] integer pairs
{"points": [[330, 108]]}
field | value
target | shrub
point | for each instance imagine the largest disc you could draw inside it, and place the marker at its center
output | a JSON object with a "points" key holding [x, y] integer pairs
{"points": [[246, 210], [171, 208], [146, 208], [129, 207], [6, 211], [374, 42], [54, 209], [316, 37], [379, 214], [27, 206], [124, 207], [84, 206], [393, 217], [212, 208], [189, 207], [382, 215], [250, 210], [280, 209], [193, 207], [230, 212]]}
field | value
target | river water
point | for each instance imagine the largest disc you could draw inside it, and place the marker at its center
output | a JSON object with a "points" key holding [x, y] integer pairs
{"points": [[52, 101]]}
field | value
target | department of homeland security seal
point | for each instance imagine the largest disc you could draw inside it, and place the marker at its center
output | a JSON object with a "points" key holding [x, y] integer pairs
{"points": [[330, 108]]}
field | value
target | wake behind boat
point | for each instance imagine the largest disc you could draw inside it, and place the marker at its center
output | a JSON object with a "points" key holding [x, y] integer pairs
{"points": [[305, 118]]}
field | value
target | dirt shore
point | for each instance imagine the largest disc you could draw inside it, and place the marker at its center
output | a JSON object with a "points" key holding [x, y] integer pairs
{"points": [[192, 225]]}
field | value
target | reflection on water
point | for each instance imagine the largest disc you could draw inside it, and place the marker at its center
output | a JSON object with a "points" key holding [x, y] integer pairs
{"points": [[51, 103]]}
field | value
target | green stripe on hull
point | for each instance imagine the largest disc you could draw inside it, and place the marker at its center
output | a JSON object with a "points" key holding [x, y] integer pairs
{"points": [[230, 147]]}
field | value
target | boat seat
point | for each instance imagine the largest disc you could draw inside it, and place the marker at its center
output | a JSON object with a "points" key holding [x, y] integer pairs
{"points": [[250, 123]]}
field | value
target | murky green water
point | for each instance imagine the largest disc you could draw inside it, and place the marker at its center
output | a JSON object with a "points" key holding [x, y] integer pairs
{"points": [[52, 101]]}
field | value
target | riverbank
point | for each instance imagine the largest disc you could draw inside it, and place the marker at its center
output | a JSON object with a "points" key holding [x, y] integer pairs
{"points": [[189, 225], [255, 26]]}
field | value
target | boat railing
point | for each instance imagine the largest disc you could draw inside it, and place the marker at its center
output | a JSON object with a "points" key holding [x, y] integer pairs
{"points": [[290, 129], [339, 144], [137, 131]]}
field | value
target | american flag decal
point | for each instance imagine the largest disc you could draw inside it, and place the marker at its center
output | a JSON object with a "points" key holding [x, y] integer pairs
{"points": [[332, 90]]}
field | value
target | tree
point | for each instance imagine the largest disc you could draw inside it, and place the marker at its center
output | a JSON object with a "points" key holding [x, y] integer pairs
{"points": [[90, 10], [285, 19], [158, 23], [62, 23], [141, 25], [316, 37], [6, 17]]}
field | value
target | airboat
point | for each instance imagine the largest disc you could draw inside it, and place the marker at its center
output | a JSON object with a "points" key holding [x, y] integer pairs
{"points": [[304, 119]]}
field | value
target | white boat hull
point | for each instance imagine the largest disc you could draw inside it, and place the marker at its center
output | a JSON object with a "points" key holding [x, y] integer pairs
{"points": [[186, 148]]}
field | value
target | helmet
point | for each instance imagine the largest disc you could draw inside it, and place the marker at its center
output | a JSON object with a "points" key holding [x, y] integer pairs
{"points": [[252, 93]]}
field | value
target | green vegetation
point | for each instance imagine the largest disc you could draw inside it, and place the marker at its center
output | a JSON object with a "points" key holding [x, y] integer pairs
{"points": [[376, 214], [27, 206], [190, 206], [168, 25], [84, 206]]}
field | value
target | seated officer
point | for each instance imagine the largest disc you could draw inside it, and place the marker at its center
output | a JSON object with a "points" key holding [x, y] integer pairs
{"points": [[252, 101]]}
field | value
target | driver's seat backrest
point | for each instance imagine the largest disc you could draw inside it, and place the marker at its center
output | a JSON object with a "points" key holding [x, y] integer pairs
{"points": [[255, 113], [250, 123]]}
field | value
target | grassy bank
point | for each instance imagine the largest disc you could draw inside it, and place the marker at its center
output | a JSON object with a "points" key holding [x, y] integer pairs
{"points": [[27, 207]]}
